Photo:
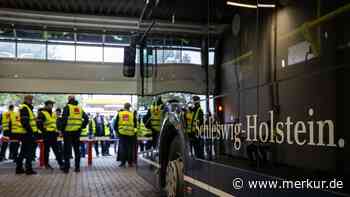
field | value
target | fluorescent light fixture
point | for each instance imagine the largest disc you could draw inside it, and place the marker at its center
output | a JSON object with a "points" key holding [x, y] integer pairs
{"points": [[250, 5], [266, 5], [241, 4]]}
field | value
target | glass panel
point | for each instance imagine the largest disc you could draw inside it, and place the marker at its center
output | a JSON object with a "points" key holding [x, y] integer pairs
{"points": [[89, 53], [6, 33], [7, 49], [211, 58], [61, 52], [60, 36], [160, 56], [117, 39], [114, 54], [31, 50], [89, 38], [172, 56], [191, 57], [30, 35]]}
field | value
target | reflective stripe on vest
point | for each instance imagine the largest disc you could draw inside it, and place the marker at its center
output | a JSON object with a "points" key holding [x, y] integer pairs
{"points": [[75, 118], [155, 117], [5, 120], [50, 121], [126, 123]]}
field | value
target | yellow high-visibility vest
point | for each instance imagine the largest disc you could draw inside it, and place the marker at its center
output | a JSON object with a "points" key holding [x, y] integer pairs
{"points": [[17, 126], [189, 118], [126, 123], [85, 131], [155, 116], [5, 120], [142, 131], [50, 121], [75, 118], [107, 130]]}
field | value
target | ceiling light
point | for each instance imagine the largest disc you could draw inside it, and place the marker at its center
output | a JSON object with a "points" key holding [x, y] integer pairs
{"points": [[241, 4], [266, 5], [250, 5]]}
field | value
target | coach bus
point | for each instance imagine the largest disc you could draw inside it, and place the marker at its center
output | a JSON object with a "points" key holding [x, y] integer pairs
{"points": [[278, 85]]}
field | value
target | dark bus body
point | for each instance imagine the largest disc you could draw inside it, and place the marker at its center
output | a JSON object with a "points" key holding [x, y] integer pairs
{"points": [[280, 86]]}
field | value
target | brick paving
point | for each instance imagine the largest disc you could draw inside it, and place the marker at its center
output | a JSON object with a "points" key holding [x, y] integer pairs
{"points": [[103, 179]]}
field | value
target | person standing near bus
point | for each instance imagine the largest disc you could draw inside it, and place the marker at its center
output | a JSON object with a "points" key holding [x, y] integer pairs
{"points": [[98, 129], [23, 128], [107, 133], [6, 132], [197, 121], [74, 120], [125, 125], [153, 119], [47, 123]]}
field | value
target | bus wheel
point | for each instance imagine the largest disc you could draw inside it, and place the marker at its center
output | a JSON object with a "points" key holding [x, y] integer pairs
{"points": [[174, 171]]}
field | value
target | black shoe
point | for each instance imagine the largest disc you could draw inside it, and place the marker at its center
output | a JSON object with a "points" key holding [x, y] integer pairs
{"points": [[30, 172], [19, 171], [122, 165], [65, 170], [48, 167], [77, 170]]}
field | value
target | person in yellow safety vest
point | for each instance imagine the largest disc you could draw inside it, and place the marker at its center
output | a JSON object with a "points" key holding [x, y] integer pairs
{"points": [[47, 123], [153, 119], [107, 133], [24, 127], [142, 132], [98, 130], [6, 129], [194, 116], [74, 120], [84, 133], [125, 125]]}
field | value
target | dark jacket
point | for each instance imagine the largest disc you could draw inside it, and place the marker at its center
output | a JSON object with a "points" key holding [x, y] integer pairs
{"points": [[24, 114], [65, 116], [99, 127]]}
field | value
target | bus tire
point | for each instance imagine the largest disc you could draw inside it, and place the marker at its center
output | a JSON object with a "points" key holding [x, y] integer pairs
{"points": [[174, 171]]}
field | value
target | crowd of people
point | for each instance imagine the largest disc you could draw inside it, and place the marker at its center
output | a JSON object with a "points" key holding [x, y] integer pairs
{"points": [[21, 129]]}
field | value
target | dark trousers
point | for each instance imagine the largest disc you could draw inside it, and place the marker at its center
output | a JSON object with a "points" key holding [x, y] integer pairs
{"points": [[125, 152], [50, 141], [106, 148], [96, 146], [155, 136], [82, 149], [71, 139], [26, 151], [4, 146], [14, 146], [3, 150]]}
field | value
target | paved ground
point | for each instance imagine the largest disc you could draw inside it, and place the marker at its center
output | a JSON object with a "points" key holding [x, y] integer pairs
{"points": [[104, 178]]}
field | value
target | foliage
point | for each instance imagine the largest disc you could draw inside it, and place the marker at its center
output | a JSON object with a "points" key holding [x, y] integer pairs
{"points": [[39, 99]]}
